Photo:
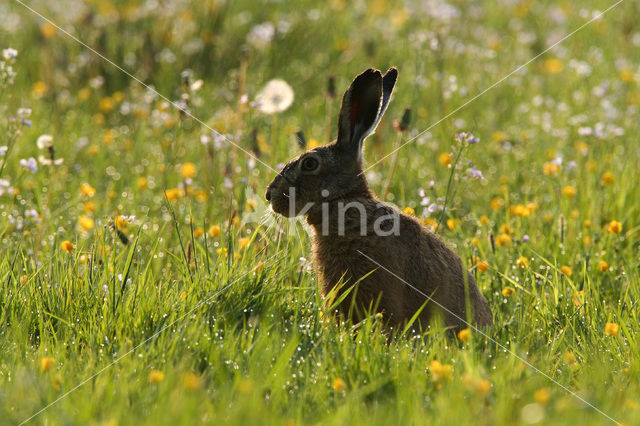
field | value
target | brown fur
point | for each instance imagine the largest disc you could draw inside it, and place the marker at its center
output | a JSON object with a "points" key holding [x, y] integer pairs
{"points": [[416, 256]]}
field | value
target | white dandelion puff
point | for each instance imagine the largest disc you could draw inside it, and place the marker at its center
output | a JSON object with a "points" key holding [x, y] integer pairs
{"points": [[276, 97]]}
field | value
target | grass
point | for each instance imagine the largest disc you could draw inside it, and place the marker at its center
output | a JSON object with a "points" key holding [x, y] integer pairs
{"points": [[207, 313]]}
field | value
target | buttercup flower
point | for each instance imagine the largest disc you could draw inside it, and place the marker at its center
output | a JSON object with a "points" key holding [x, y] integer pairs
{"points": [[87, 190], [522, 262], [483, 266], [566, 270], [440, 372], [603, 266], [156, 377], [243, 243], [188, 170], [607, 178], [339, 385], [508, 291], [214, 231], [47, 363], [569, 191], [611, 329], [444, 158], [464, 335], [67, 246], [503, 240], [614, 227]]}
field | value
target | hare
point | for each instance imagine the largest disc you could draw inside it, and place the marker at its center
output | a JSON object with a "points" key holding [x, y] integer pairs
{"points": [[389, 261]]}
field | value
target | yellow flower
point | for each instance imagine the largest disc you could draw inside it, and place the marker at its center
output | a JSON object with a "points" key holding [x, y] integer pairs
{"points": [[611, 329], [83, 259], [607, 178], [89, 207], [40, 88], [586, 223], [569, 358], [626, 76], [192, 381], [503, 240], [94, 149], [496, 203], [47, 363], [67, 246], [99, 118], [222, 251], [409, 211], [569, 191], [566, 270], [106, 104], [259, 267], [173, 194], [121, 222], [243, 243], [603, 266], [581, 147], [440, 372], [86, 223], [553, 65], [506, 229], [142, 182], [56, 380], [484, 220], [550, 169], [198, 232], [245, 386], [251, 204], [188, 170], [339, 385], [498, 136], [508, 291], [464, 335], [156, 376], [444, 158], [483, 387], [483, 266], [430, 222], [214, 231], [520, 210], [47, 29], [522, 262], [118, 96], [313, 143], [84, 94], [615, 227], [109, 136], [87, 190], [541, 396]]}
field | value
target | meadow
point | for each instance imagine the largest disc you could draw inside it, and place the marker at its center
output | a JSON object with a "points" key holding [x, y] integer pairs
{"points": [[144, 281]]}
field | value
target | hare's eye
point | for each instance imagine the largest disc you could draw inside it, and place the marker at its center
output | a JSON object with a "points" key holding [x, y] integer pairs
{"points": [[309, 164]]}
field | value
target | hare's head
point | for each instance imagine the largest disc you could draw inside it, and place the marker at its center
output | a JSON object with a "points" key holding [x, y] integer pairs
{"points": [[333, 171]]}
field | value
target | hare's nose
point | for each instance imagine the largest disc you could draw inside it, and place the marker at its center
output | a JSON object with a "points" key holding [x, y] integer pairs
{"points": [[268, 194]]}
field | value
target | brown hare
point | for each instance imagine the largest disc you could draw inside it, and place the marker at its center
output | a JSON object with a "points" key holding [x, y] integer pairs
{"points": [[396, 264]]}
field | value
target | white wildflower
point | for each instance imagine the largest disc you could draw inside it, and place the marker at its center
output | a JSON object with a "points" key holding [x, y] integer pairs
{"points": [[276, 97]]}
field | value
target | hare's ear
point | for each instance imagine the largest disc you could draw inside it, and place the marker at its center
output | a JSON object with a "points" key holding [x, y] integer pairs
{"points": [[359, 112], [388, 83]]}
